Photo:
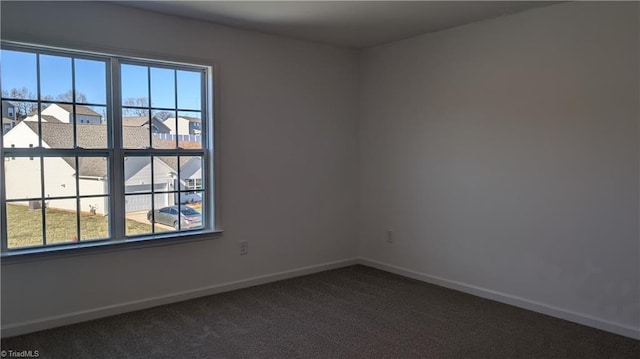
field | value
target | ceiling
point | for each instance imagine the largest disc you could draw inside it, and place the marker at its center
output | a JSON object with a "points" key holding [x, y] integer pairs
{"points": [[354, 24]]}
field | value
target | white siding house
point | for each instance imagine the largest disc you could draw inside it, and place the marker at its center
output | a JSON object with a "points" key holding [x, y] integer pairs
{"points": [[185, 125], [64, 113], [137, 172]]}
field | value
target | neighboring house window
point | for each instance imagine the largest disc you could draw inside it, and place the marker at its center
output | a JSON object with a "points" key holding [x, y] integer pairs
{"points": [[105, 182], [194, 184]]}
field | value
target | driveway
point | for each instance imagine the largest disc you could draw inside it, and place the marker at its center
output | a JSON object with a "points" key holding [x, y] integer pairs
{"points": [[141, 216]]}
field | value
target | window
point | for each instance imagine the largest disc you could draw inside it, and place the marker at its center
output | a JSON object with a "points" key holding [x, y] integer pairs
{"points": [[194, 183], [86, 165]]}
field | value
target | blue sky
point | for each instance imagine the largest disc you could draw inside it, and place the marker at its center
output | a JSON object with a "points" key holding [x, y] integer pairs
{"points": [[18, 70]]}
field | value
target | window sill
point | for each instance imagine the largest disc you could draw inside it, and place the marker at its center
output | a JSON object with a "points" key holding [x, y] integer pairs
{"points": [[104, 246]]}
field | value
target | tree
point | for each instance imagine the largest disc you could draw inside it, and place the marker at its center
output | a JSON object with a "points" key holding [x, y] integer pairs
{"points": [[68, 97], [22, 108], [135, 102], [163, 115]]}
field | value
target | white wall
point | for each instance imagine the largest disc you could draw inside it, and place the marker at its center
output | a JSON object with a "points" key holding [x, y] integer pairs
{"points": [[504, 156], [288, 116]]}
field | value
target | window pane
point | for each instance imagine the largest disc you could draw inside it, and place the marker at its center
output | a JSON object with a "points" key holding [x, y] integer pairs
{"points": [[192, 209], [22, 178], [166, 216], [190, 129], [18, 110], [135, 85], [91, 128], [94, 221], [138, 208], [163, 93], [135, 128], [57, 125], [190, 173], [137, 175], [61, 220], [189, 90], [55, 78], [93, 179], [19, 75], [91, 81], [24, 225], [22, 134], [135, 112], [165, 173], [59, 176], [186, 129], [191, 185], [162, 138], [91, 115]]}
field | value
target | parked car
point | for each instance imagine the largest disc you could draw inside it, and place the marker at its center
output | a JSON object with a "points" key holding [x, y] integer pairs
{"points": [[189, 217]]}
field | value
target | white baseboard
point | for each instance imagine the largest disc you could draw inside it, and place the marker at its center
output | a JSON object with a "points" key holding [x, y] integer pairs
{"points": [[534, 306], [19, 328]]}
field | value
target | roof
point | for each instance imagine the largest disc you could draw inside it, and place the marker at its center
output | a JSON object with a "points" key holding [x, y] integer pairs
{"points": [[144, 121], [80, 110], [60, 135], [135, 121], [7, 120], [49, 118]]}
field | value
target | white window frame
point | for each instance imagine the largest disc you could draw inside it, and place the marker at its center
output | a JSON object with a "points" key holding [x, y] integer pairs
{"points": [[116, 154]]}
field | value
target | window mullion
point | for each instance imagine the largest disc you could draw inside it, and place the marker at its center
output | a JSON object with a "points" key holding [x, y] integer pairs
{"points": [[152, 158], [116, 160], [3, 212], [42, 178]]}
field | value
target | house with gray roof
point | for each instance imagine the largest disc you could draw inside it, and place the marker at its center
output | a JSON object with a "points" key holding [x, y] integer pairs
{"points": [[64, 113], [23, 173]]}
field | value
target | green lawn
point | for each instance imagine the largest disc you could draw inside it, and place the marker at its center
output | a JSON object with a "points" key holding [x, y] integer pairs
{"points": [[24, 227]]}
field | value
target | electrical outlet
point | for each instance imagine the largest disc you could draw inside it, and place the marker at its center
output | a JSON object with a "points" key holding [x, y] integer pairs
{"points": [[389, 236], [244, 248]]}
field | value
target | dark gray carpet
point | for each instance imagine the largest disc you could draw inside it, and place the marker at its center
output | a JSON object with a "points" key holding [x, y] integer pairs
{"points": [[353, 312]]}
